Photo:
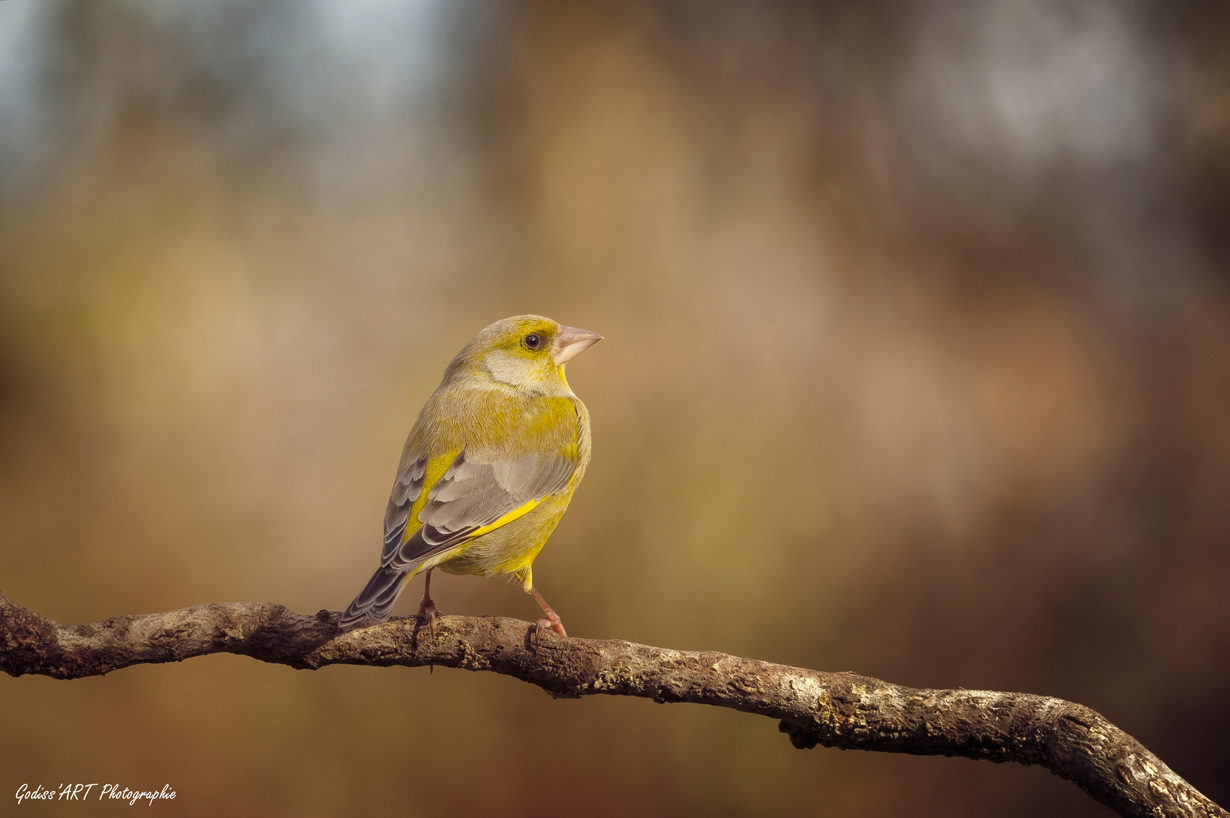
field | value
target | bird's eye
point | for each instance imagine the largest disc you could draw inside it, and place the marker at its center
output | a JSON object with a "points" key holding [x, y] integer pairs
{"points": [[532, 341]]}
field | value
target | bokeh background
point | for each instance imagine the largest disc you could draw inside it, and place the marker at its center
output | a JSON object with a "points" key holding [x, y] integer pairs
{"points": [[917, 363]]}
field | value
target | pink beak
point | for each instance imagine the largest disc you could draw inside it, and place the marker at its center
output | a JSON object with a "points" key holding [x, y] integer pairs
{"points": [[571, 342]]}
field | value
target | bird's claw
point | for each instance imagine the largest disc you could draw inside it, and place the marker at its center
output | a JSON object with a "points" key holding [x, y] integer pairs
{"points": [[428, 610], [551, 623]]}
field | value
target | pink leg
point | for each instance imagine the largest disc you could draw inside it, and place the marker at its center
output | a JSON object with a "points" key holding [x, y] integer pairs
{"points": [[552, 621], [427, 608]]}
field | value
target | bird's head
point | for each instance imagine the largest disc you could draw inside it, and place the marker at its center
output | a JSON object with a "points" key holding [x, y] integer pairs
{"points": [[525, 352]]}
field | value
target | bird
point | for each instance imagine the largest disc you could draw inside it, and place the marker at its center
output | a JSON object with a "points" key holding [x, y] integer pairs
{"points": [[488, 470]]}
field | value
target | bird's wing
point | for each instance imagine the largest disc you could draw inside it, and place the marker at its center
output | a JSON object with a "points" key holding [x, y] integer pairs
{"points": [[472, 498], [406, 490]]}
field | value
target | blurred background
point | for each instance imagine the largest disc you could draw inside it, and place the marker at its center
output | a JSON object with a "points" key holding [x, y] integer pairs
{"points": [[917, 363]]}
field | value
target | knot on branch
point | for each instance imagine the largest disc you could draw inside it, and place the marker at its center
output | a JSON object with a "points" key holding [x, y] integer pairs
{"points": [[800, 738]]}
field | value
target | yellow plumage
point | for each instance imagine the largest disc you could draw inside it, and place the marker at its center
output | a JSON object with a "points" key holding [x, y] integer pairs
{"points": [[489, 467]]}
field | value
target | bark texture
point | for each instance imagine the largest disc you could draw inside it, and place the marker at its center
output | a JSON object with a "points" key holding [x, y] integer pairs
{"points": [[842, 710]]}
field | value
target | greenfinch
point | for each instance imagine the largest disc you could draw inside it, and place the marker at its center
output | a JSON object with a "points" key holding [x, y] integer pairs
{"points": [[488, 469]]}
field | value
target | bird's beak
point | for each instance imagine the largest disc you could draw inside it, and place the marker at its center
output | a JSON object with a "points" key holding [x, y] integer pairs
{"points": [[570, 342]]}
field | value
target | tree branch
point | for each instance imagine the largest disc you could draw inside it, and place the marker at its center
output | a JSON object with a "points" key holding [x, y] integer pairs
{"points": [[841, 710]]}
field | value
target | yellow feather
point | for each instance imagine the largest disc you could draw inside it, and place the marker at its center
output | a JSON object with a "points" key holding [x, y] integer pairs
{"points": [[503, 400]]}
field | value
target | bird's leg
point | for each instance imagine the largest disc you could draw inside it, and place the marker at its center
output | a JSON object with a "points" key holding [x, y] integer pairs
{"points": [[427, 608], [552, 621]]}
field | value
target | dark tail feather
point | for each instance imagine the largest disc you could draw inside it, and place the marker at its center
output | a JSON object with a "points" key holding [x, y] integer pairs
{"points": [[375, 602]]}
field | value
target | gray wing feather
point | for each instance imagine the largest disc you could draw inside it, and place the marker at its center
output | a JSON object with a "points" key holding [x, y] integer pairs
{"points": [[406, 489], [473, 494]]}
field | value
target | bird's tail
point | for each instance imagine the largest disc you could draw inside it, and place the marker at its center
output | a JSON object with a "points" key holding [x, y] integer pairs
{"points": [[375, 602]]}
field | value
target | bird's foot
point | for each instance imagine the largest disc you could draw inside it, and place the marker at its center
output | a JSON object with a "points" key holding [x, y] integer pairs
{"points": [[551, 622], [428, 610], [552, 619]]}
